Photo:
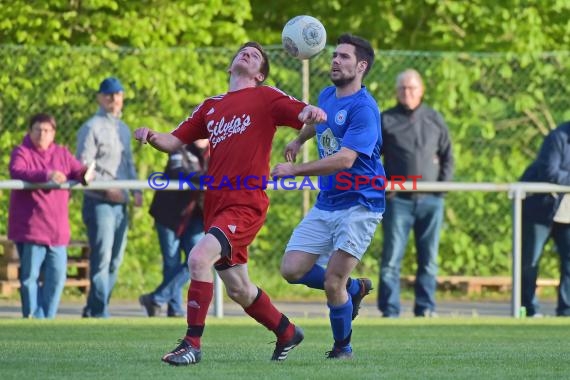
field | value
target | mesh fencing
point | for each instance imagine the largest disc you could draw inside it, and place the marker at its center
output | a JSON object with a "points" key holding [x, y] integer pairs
{"points": [[498, 108]]}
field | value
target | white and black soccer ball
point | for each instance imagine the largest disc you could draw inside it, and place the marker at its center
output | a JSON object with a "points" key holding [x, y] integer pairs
{"points": [[304, 37]]}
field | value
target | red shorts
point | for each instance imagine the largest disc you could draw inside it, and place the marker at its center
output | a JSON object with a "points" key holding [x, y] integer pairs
{"points": [[239, 215]]}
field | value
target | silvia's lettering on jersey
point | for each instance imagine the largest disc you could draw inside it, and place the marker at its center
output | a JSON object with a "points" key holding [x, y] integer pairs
{"points": [[222, 129]]}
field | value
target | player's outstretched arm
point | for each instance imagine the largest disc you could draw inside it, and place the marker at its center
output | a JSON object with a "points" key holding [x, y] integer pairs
{"points": [[341, 160], [165, 142], [294, 146], [308, 132], [312, 115]]}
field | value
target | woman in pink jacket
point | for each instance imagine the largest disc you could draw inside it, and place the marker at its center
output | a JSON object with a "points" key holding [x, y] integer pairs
{"points": [[38, 220]]}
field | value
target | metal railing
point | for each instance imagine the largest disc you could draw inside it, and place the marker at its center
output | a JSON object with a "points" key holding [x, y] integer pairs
{"points": [[517, 192]]}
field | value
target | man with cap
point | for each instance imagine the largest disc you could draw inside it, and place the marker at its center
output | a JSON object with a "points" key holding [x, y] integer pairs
{"points": [[105, 140]]}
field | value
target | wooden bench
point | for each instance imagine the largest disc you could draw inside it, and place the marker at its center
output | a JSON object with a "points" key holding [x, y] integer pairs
{"points": [[475, 285], [77, 266]]}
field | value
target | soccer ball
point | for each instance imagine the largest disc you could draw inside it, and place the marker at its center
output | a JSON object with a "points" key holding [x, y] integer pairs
{"points": [[303, 37]]}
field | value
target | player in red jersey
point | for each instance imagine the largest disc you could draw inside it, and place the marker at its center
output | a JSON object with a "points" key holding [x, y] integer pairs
{"points": [[240, 125]]}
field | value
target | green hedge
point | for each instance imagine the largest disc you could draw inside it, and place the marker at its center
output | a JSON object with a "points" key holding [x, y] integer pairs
{"points": [[498, 108]]}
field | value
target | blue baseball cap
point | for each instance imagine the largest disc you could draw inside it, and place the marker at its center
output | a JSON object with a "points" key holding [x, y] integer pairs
{"points": [[110, 85]]}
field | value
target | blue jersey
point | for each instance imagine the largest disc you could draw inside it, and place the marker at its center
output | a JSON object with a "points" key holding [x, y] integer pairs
{"points": [[352, 122]]}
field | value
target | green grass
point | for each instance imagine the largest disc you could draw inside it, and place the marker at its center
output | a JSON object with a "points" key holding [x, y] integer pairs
{"points": [[236, 348]]}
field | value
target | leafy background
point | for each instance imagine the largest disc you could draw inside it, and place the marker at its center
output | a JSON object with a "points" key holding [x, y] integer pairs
{"points": [[497, 72]]}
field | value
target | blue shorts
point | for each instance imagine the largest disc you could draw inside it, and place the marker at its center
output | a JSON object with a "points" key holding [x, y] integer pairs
{"points": [[324, 232]]}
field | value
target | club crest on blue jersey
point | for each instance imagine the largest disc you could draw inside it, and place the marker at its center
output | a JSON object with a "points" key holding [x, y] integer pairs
{"points": [[328, 143], [340, 117]]}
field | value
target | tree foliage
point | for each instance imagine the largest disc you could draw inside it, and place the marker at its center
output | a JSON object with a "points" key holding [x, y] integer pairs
{"points": [[114, 23], [56, 52], [498, 102], [519, 26]]}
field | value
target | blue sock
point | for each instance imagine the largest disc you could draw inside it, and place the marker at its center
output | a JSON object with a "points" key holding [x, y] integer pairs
{"points": [[353, 286], [341, 323], [314, 278]]}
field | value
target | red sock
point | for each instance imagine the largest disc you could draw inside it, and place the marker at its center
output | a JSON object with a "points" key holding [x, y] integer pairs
{"points": [[264, 312], [200, 295]]}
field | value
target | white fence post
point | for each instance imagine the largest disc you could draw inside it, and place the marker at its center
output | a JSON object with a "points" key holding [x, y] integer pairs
{"points": [[517, 195], [218, 296]]}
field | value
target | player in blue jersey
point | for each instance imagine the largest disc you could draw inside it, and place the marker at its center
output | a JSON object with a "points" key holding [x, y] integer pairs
{"points": [[340, 227]]}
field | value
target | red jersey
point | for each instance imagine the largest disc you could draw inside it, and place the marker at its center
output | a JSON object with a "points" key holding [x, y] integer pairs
{"points": [[240, 126]]}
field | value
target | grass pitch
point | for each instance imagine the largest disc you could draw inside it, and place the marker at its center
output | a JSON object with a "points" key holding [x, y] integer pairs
{"points": [[236, 348]]}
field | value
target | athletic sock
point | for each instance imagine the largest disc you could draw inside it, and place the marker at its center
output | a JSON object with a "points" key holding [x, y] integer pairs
{"points": [[341, 323], [200, 296], [314, 278], [353, 286], [264, 312]]}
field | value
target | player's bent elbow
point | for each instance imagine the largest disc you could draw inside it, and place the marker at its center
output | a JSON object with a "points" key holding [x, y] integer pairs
{"points": [[347, 162], [346, 158]]}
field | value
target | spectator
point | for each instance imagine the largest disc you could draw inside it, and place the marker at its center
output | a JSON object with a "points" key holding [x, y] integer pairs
{"points": [[38, 220], [547, 215], [415, 142], [106, 139], [178, 222]]}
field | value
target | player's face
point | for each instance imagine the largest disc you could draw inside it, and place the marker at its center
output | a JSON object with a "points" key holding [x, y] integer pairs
{"points": [[248, 61], [343, 65], [410, 92], [42, 135]]}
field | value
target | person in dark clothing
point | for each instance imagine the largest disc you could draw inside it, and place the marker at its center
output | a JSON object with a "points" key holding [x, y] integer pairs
{"points": [[178, 222], [547, 215], [416, 142]]}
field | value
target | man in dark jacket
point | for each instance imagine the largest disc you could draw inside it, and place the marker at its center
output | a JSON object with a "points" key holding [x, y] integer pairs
{"points": [[546, 215], [178, 222], [415, 143]]}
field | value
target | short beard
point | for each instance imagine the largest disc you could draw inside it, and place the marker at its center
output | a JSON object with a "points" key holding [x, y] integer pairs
{"points": [[343, 82]]}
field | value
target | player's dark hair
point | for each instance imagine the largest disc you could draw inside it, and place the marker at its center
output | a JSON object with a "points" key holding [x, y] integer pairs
{"points": [[362, 48], [264, 65], [41, 118]]}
